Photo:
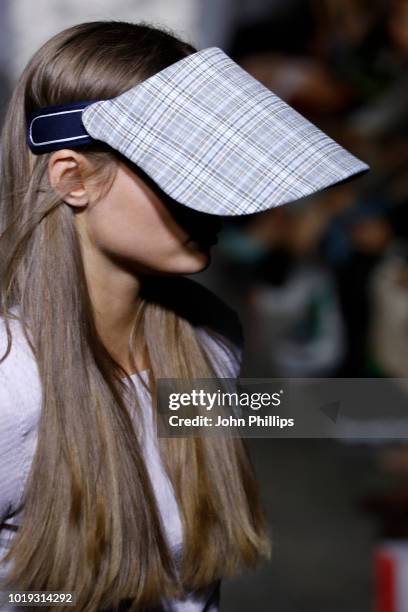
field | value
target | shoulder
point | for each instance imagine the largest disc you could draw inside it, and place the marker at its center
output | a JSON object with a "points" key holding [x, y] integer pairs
{"points": [[216, 323], [20, 405], [198, 304], [19, 408], [18, 368]]}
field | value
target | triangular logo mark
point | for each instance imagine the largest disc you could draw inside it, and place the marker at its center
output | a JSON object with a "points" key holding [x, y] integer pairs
{"points": [[331, 410]]}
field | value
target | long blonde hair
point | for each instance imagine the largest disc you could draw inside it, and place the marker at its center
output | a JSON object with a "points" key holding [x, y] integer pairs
{"points": [[91, 523]]}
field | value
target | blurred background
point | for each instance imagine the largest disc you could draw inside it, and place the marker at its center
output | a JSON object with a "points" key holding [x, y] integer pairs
{"points": [[321, 285]]}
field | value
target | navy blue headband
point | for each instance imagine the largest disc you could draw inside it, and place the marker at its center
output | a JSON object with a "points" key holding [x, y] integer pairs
{"points": [[56, 127]]}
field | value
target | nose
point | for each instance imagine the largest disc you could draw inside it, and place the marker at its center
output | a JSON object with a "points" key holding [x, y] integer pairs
{"points": [[204, 226], [210, 224], [198, 225]]}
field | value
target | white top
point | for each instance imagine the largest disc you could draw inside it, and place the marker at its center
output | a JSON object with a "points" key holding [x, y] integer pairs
{"points": [[20, 405]]}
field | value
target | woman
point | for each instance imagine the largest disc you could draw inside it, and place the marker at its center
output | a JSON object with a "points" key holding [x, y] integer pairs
{"points": [[92, 293], [95, 240]]}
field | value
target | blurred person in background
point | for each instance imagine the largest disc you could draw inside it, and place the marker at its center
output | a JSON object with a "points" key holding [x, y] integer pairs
{"points": [[343, 63], [297, 325]]}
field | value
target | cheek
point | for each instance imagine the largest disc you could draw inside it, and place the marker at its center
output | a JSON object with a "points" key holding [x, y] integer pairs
{"points": [[129, 231], [133, 225]]}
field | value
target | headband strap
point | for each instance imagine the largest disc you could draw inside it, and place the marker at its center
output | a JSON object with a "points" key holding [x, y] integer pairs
{"points": [[55, 127]]}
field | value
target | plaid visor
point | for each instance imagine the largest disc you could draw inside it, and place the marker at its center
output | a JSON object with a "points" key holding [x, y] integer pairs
{"points": [[210, 135]]}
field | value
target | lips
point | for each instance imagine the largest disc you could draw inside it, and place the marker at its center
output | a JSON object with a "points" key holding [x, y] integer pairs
{"points": [[205, 230], [208, 241], [205, 240]]}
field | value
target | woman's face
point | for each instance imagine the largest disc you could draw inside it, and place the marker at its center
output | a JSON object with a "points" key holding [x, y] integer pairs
{"points": [[132, 224]]}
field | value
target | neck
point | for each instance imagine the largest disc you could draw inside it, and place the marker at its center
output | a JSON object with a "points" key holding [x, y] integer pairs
{"points": [[114, 293]]}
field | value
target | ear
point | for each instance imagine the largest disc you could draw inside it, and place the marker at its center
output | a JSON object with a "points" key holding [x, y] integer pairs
{"points": [[65, 169]]}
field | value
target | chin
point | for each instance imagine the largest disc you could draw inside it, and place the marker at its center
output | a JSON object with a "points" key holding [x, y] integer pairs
{"points": [[202, 267], [192, 264]]}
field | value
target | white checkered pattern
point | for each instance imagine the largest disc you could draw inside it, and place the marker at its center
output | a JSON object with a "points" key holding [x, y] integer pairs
{"points": [[217, 140]]}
